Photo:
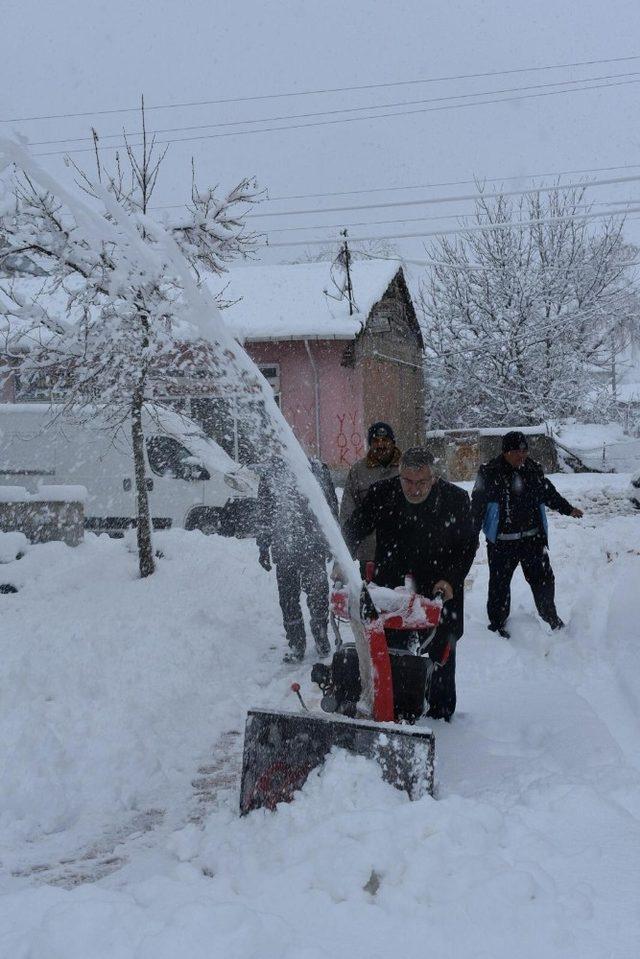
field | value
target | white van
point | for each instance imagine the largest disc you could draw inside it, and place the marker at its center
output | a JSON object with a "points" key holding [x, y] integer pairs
{"points": [[192, 482]]}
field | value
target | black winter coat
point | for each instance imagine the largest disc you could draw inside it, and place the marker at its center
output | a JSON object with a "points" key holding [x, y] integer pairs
{"points": [[501, 491], [431, 540]]}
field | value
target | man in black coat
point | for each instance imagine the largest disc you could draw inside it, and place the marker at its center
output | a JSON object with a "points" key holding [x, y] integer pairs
{"points": [[508, 501], [290, 537], [423, 528]]}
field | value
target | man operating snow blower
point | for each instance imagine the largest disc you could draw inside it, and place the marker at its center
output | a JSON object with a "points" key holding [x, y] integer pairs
{"points": [[423, 530]]}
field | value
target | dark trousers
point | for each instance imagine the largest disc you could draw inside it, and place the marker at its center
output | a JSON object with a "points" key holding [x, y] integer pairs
{"points": [[440, 692], [504, 558], [293, 575]]}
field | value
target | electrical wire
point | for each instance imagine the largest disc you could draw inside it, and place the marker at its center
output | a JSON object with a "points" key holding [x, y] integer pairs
{"points": [[307, 93], [426, 186], [460, 198], [323, 123], [422, 219], [519, 225], [322, 113], [471, 267]]}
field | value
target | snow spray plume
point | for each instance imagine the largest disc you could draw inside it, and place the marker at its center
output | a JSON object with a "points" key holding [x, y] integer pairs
{"points": [[198, 307]]}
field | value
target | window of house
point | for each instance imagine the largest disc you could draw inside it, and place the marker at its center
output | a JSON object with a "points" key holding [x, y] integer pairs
{"points": [[271, 373]]}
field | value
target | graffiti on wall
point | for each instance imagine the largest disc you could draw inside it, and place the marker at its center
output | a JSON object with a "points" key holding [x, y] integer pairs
{"points": [[349, 441]]}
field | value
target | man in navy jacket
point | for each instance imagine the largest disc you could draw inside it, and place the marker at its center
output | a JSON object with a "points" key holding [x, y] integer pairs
{"points": [[508, 502]]}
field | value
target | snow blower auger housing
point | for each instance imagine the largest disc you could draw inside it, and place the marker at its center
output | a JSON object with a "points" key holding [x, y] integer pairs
{"points": [[281, 748]]}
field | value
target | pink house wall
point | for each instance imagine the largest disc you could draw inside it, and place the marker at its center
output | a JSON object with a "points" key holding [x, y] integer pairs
{"points": [[342, 437]]}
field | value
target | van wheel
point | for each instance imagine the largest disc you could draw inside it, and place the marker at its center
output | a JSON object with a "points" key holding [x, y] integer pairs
{"points": [[207, 519]]}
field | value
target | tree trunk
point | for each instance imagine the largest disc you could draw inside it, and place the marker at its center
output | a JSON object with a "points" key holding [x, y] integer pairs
{"points": [[145, 543]]}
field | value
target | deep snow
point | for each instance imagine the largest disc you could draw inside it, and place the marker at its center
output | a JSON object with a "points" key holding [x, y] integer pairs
{"points": [[121, 701]]}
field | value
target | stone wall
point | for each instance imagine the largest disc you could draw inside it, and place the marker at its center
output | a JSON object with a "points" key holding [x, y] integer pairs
{"points": [[43, 521], [459, 453]]}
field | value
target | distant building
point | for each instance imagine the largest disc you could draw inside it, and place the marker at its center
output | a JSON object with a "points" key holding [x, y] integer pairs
{"points": [[333, 372], [336, 363]]}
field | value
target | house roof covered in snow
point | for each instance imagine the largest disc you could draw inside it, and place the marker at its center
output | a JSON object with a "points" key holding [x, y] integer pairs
{"points": [[290, 302], [276, 302]]}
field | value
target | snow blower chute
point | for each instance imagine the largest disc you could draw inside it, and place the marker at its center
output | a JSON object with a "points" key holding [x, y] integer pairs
{"points": [[373, 693]]}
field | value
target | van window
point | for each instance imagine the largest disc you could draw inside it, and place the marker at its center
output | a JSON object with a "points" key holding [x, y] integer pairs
{"points": [[167, 457]]}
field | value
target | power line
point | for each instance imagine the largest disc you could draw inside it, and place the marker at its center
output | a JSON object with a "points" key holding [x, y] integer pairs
{"points": [[417, 219], [427, 186], [322, 123], [472, 267], [521, 224], [322, 113], [307, 93], [429, 201]]}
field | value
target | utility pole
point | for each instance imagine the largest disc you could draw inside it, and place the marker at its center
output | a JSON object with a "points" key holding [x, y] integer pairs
{"points": [[346, 257]]}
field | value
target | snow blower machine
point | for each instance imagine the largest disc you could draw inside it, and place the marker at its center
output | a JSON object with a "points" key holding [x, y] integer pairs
{"points": [[374, 690]]}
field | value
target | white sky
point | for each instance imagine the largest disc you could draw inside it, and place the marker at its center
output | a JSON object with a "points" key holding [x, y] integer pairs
{"points": [[70, 57]]}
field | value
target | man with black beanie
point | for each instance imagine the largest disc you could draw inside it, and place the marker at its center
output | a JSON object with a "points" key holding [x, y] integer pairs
{"points": [[380, 463], [508, 502]]}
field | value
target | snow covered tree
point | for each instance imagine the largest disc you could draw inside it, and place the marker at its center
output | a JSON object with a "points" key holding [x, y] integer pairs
{"points": [[522, 310], [127, 330]]}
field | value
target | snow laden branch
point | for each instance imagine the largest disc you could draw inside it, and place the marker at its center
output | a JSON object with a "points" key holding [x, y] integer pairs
{"points": [[135, 321], [525, 323]]}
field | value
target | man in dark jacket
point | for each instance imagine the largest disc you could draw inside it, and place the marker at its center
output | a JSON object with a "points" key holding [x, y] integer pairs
{"points": [[289, 535], [508, 501], [423, 527]]}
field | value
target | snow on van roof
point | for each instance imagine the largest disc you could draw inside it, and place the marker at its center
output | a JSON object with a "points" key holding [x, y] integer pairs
{"points": [[288, 301]]}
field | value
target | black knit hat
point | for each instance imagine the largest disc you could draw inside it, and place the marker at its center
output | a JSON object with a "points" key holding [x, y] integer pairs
{"points": [[380, 429], [515, 440]]}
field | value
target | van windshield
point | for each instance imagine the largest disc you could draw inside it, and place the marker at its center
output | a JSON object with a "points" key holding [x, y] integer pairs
{"points": [[168, 457]]}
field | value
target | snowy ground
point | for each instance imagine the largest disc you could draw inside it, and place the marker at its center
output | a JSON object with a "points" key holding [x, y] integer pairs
{"points": [[122, 704], [600, 446]]}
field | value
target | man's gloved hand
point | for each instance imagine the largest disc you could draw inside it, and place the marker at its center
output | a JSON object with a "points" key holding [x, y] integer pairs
{"points": [[576, 513], [264, 558], [337, 573], [444, 587]]}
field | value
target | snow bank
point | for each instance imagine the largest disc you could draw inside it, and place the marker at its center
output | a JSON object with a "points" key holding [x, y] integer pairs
{"points": [[116, 694], [601, 446], [12, 545]]}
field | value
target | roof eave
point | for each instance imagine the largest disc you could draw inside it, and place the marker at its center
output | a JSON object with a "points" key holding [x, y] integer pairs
{"points": [[314, 337]]}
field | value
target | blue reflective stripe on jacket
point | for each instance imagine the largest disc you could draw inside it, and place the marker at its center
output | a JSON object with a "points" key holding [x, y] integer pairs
{"points": [[543, 514], [492, 520]]}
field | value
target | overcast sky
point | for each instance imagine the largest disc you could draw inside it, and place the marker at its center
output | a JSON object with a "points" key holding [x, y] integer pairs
{"points": [[68, 57]]}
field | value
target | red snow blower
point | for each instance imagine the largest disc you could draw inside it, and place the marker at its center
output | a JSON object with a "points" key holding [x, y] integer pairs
{"points": [[375, 687]]}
